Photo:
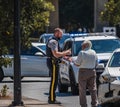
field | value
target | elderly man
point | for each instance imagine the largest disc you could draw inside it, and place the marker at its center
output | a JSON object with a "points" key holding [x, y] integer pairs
{"points": [[87, 61]]}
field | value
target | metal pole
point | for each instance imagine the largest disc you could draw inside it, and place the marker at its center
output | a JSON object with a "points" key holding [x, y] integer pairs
{"points": [[17, 63], [95, 15]]}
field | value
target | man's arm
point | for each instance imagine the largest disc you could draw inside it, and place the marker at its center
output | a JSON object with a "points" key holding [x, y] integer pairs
{"points": [[58, 54], [77, 62]]}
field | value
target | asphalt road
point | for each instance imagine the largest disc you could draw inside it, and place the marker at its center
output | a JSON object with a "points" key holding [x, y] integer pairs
{"points": [[38, 88]]}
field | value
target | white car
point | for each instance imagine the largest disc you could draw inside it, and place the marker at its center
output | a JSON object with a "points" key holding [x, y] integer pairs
{"points": [[103, 44], [33, 63], [109, 89]]}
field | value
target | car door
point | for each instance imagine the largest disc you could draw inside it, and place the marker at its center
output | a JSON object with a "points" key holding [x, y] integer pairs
{"points": [[64, 65], [33, 64]]}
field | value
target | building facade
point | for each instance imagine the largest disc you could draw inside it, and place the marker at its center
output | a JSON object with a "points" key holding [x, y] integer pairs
{"points": [[98, 24], [98, 7], [54, 17]]}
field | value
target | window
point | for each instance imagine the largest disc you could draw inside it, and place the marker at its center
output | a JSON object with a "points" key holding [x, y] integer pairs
{"points": [[30, 51], [105, 46], [115, 60]]}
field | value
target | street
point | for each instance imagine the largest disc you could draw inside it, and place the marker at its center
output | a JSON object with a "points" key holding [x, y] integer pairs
{"points": [[38, 88]]}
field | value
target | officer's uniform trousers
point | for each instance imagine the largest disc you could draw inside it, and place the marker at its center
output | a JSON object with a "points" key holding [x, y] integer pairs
{"points": [[87, 78], [54, 69]]}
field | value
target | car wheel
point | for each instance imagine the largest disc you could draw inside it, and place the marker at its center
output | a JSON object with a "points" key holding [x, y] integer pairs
{"points": [[74, 86], [1, 74], [61, 87]]}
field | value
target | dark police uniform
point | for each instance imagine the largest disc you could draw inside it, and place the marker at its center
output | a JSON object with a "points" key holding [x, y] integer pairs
{"points": [[53, 65]]}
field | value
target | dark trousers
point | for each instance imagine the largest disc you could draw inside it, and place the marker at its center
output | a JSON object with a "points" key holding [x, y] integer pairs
{"points": [[53, 69], [87, 78]]}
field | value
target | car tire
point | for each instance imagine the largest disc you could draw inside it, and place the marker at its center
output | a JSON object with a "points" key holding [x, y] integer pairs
{"points": [[74, 86], [1, 74], [62, 88]]}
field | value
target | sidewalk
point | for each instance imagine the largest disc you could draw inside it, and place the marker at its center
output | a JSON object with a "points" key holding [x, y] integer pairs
{"points": [[28, 102]]}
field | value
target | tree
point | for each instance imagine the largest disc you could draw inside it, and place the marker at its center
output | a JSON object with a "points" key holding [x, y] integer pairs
{"points": [[34, 16], [111, 13]]}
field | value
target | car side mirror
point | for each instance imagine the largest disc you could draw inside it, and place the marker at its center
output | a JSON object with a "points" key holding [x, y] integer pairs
{"points": [[100, 66]]}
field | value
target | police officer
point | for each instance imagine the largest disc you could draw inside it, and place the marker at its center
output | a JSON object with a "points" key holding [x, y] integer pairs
{"points": [[54, 54]]}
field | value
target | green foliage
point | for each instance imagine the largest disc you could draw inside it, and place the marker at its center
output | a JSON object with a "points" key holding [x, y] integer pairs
{"points": [[111, 12], [34, 16], [4, 91]]}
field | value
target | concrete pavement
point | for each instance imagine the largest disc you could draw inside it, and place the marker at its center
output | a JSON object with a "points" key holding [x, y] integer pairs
{"points": [[28, 102]]}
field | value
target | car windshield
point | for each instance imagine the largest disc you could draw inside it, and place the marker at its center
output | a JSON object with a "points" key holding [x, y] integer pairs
{"points": [[100, 46], [64, 37], [30, 51], [115, 60], [43, 47], [45, 38]]}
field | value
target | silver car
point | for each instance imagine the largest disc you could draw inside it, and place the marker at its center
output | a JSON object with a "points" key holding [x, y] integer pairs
{"points": [[109, 89], [33, 63]]}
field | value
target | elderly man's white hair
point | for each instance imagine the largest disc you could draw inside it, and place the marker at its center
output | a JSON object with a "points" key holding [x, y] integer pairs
{"points": [[88, 42]]}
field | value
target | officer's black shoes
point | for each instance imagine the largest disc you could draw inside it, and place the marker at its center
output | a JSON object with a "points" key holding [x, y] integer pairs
{"points": [[54, 102]]}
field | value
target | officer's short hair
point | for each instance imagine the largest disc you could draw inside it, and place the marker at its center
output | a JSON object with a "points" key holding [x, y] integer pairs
{"points": [[88, 42], [58, 29]]}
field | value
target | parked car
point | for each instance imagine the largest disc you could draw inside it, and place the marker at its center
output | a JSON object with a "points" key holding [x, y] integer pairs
{"points": [[41, 46], [44, 38], [109, 89], [33, 63], [103, 44]]}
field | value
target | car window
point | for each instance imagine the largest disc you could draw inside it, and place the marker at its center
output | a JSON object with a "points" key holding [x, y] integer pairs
{"points": [[44, 39], [30, 51], [100, 46], [105, 46], [43, 47], [115, 60], [77, 47], [64, 37], [67, 45]]}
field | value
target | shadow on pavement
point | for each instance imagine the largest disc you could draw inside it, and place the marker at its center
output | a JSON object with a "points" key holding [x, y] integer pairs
{"points": [[110, 104], [62, 94]]}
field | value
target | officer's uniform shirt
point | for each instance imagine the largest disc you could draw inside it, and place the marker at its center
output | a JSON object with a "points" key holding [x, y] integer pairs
{"points": [[53, 44], [87, 59]]}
